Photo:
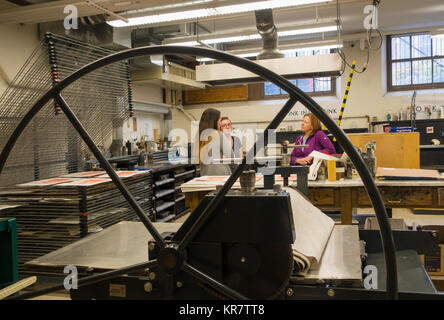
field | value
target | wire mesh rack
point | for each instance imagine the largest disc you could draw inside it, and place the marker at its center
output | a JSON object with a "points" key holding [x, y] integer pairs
{"points": [[50, 147]]}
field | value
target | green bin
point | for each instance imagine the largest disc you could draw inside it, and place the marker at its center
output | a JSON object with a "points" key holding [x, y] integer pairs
{"points": [[8, 252]]}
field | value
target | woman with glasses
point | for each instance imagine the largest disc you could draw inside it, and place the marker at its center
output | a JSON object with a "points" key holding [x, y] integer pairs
{"points": [[233, 141]]}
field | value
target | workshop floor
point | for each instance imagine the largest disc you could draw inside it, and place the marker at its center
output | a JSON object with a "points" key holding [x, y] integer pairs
{"points": [[409, 217]]}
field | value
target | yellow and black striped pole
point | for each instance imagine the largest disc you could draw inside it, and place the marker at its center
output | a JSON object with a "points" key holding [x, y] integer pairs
{"points": [[347, 89]]}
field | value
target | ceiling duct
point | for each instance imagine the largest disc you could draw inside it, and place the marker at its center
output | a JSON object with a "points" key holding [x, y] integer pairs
{"points": [[93, 30], [267, 30], [171, 71], [141, 37]]}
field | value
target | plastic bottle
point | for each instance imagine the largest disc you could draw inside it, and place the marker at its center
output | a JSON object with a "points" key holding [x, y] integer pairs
{"points": [[400, 118], [389, 116]]}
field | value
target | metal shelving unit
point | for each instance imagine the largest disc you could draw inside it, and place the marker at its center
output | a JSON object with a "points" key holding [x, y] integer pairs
{"points": [[167, 195]]}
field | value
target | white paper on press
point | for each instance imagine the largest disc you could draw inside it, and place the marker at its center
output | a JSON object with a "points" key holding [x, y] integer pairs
{"points": [[313, 229], [318, 157]]}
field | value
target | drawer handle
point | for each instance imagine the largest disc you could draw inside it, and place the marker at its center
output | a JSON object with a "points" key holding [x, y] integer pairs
{"points": [[394, 201]]}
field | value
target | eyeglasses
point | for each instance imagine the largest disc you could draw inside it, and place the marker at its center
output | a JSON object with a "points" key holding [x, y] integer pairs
{"points": [[226, 125]]}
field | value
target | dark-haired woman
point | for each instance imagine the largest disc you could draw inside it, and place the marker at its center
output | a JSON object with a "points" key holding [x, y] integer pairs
{"points": [[210, 146]]}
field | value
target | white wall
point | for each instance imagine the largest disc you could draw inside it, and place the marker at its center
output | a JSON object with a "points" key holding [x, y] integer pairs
{"points": [[367, 97], [146, 122], [147, 93], [16, 44]]}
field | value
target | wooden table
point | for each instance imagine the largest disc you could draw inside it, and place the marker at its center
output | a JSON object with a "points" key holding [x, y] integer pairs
{"points": [[348, 194]]}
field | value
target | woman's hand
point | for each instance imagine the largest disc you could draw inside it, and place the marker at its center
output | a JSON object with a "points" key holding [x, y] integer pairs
{"points": [[306, 160]]}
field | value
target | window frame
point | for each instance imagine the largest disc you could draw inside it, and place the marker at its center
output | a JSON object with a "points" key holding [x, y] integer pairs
{"points": [[389, 62], [331, 92]]}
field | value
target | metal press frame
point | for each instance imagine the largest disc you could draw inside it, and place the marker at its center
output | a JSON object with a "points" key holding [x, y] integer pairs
{"points": [[177, 252]]}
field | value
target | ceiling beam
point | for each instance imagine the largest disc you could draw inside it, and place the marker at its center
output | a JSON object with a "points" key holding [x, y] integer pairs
{"points": [[53, 11]]}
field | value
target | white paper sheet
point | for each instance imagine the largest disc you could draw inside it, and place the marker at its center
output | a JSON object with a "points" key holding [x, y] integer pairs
{"points": [[318, 157], [313, 229]]}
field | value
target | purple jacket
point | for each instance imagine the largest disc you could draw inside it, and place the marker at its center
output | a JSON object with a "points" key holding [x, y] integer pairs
{"points": [[318, 142]]}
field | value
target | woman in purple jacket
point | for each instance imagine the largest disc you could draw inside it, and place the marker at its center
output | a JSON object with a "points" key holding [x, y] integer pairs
{"points": [[314, 138]]}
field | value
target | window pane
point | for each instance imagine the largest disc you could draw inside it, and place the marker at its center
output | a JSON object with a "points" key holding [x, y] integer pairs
{"points": [[321, 51], [421, 46], [271, 89], [438, 70], [304, 53], [438, 46], [290, 54], [400, 48], [306, 85], [422, 71], [401, 73], [322, 84]]}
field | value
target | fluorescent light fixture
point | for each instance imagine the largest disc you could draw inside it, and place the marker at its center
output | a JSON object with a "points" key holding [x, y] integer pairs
{"points": [[336, 46], [439, 33], [209, 12], [232, 39], [253, 35], [210, 41], [307, 31], [185, 43], [302, 47], [242, 55]]}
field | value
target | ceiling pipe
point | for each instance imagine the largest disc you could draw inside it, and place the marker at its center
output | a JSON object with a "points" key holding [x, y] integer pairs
{"points": [[267, 30]]}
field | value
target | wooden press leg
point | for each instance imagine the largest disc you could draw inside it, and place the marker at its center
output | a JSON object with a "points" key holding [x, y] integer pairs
{"points": [[346, 206], [187, 199], [194, 200]]}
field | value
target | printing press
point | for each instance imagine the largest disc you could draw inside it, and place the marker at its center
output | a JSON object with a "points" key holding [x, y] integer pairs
{"points": [[245, 248], [239, 244]]}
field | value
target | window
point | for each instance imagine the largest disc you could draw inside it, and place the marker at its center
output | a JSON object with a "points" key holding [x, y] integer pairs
{"points": [[312, 86], [415, 61]]}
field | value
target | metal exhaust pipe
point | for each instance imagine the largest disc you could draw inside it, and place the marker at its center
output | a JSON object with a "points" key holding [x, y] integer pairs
{"points": [[266, 28]]}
